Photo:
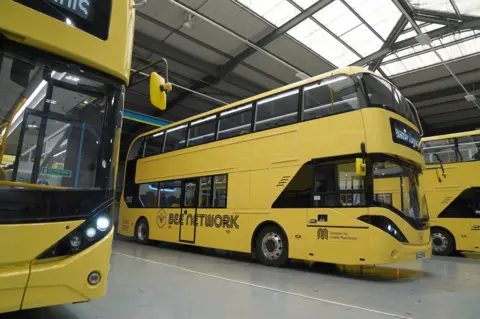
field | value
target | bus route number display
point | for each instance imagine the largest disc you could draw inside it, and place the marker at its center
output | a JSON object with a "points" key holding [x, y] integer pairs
{"points": [[81, 8], [404, 134]]}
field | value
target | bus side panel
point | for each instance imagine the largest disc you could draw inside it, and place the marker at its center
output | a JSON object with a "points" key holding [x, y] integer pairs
{"points": [[12, 285], [51, 282], [459, 177], [341, 237]]}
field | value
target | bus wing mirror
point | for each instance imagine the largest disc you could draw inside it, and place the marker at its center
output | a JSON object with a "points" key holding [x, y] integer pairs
{"points": [[158, 91], [360, 167]]}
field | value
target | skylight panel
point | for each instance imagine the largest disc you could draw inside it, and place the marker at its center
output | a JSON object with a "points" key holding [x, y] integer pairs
{"points": [[381, 15], [431, 27], [281, 13], [304, 4], [460, 50], [337, 18], [277, 12], [260, 7], [407, 33], [394, 68], [321, 42], [362, 40], [434, 5], [450, 47], [468, 7], [344, 24]]}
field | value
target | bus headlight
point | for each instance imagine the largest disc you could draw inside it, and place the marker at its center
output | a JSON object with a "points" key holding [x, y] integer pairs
{"points": [[90, 233], [386, 225], [75, 241], [103, 223], [96, 227]]}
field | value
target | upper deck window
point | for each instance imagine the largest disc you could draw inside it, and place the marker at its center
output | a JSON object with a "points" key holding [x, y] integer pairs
{"points": [[175, 138], [382, 93], [91, 16], [234, 122], [451, 150], [277, 110], [202, 131], [154, 144], [330, 96]]}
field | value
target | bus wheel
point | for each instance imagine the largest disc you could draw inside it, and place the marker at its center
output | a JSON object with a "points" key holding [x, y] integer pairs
{"points": [[142, 231], [443, 243], [272, 246]]}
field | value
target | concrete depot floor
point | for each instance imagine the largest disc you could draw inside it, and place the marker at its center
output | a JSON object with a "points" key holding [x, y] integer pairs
{"points": [[164, 282]]}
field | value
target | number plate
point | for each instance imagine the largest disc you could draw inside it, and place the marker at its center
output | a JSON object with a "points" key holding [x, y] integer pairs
{"points": [[421, 255]]}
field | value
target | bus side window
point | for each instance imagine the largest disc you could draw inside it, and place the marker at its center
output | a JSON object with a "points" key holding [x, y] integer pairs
{"points": [[136, 151], [235, 122], [337, 185], [330, 96], [468, 149], [175, 138], [148, 195], [153, 144], [277, 110], [205, 198], [169, 194], [220, 191], [201, 131]]}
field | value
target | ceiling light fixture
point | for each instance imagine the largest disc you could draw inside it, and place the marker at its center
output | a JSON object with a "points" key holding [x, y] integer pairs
{"points": [[189, 23]]}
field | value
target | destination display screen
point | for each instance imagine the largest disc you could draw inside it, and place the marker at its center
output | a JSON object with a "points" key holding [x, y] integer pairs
{"points": [[82, 8], [405, 135], [91, 16]]}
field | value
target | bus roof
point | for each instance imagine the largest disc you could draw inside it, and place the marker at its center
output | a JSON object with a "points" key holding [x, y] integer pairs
{"points": [[346, 71], [453, 135]]}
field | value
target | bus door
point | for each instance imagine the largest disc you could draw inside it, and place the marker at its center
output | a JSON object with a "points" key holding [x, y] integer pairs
{"points": [[188, 213]]}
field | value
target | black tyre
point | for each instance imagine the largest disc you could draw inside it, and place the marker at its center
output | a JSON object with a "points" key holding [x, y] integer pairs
{"points": [[443, 243], [272, 246], [142, 231]]}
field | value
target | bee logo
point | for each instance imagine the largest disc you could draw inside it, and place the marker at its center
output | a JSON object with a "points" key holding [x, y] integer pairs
{"points": [[161, 218]]}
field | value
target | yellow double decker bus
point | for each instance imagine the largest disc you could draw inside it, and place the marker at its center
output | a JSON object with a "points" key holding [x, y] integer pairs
{"points": [[64, 66], [452, 186], [309, 171]]}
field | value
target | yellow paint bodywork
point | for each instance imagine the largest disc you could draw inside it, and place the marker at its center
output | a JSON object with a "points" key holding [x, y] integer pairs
{"points": [[255, 163], [32, 28], [459, 176]]}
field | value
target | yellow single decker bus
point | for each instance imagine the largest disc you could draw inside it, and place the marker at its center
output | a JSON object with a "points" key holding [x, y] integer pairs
{"points": [[307, 171], [64, 66], [452, 187]]}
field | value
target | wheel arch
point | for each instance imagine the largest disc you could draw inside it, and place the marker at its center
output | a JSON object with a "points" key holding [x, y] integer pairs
{"points": [[433, 228]]}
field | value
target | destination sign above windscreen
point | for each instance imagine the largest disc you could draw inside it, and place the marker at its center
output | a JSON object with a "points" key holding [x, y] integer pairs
{"points": [[405, 135], [82, 8]]}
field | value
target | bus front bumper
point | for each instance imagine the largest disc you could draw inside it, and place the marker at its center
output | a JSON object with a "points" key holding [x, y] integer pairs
{"points": [[64, 280], [396, 252]]}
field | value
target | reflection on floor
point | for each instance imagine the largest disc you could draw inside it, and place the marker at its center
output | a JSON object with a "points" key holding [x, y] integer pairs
{"points": [[165, 282]]}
